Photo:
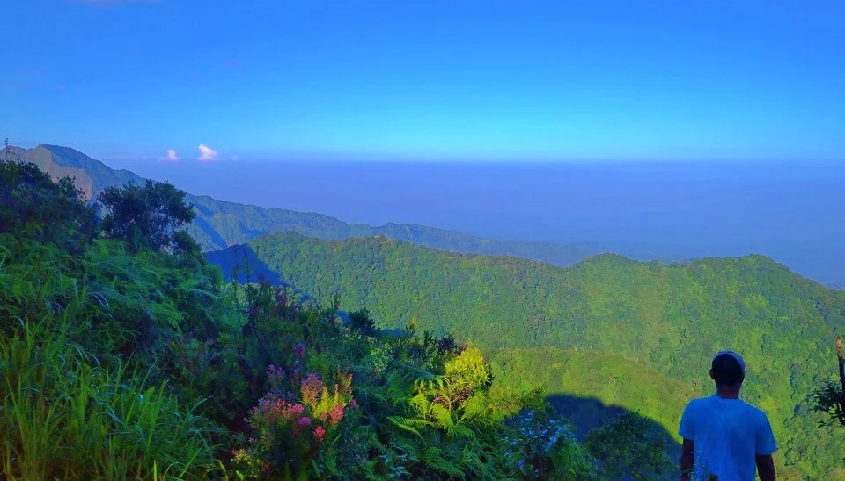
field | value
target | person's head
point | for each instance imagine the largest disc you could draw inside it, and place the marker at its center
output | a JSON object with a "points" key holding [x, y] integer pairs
{"points": [[727, 369]]}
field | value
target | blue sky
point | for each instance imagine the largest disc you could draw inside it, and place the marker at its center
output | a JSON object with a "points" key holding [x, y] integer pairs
{"points": [[426, 79]]}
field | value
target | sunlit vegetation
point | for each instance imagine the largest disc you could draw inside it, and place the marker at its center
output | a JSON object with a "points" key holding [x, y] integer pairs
{"points": [[124, 355], [608, 324], [830, 396]]}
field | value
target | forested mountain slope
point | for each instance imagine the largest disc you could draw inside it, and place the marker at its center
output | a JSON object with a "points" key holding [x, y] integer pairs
{"points": [[670, 319], [219, 224], [147, 366]]}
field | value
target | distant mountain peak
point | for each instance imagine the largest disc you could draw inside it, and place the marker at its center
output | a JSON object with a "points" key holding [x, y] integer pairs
{"points": [[90, 175], [220, 224], [55, 147]]}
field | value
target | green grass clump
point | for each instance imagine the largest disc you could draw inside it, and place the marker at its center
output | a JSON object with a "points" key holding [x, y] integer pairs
{"points": [[123, 355], [67, 417]]}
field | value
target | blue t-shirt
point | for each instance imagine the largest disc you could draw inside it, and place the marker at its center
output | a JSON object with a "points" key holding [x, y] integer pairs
{"points": [[727, 434]]}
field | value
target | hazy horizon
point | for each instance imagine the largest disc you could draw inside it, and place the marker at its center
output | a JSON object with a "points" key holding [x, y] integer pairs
{"points": [[659, 130], [395, 82], [784, 210]]}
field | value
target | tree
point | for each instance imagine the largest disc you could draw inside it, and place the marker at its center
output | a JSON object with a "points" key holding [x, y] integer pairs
{"points": [[33, 206], [630, 444], [362, 321], [148, 217], [830, 398]]}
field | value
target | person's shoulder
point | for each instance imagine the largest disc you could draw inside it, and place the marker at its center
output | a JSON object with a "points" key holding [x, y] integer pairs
{"points": [[698, 403], [702, 401], [756, 413], [692, 416]]}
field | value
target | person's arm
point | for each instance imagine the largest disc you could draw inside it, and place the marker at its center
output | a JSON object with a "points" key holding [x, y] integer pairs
{"points": [[765, 447], [687, 432], [765, 466], [687, 459]]}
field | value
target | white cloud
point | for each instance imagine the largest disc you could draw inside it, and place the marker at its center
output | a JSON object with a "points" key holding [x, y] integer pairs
{"points": [[170, 157], [206, 153]]}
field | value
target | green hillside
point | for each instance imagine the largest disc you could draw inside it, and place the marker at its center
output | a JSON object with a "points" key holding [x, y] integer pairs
{"points": [[220, 224], [124, 355], [612, 380], [668, 319]]}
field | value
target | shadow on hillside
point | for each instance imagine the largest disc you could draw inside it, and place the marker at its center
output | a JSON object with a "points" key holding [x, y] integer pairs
{"points": [[206, 227], [238, 258], [587, 413]]}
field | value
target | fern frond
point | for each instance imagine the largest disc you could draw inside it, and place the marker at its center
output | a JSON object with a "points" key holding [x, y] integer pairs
{"points": [[402, 424], [443, 416]]}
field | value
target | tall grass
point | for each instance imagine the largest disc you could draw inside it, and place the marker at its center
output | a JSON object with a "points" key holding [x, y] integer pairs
{"points": [[65, 417]]}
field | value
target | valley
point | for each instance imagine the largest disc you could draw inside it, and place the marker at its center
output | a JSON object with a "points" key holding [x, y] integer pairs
{"points": [[601, 334]]}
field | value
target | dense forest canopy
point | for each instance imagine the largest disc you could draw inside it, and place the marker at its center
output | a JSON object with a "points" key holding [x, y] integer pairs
{"points": [[422, 241], [668, 319], [124, 355], [380, 359]]}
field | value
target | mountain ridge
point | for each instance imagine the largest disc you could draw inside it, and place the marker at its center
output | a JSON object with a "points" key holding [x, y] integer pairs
{"points": [[669, 318], [220, 224]]}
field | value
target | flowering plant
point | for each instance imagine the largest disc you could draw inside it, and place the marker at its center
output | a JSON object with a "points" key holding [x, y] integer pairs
{"points": [[294, 428]]}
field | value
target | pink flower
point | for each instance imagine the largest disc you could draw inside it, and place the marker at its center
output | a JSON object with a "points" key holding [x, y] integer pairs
{"points": [[275, 375], [335, 414], [319, 434], [311, 388], [300, 350], [271, 409]]}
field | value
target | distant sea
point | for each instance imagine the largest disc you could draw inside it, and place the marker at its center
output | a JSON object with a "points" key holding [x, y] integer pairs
{"points": [[791, 211]]}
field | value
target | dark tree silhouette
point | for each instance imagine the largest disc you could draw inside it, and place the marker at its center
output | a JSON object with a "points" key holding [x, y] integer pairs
{"points": [[33, 206], [148, 217]]}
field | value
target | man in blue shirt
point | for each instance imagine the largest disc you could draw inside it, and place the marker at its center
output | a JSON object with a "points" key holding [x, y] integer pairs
{"points": [[726, 438]]}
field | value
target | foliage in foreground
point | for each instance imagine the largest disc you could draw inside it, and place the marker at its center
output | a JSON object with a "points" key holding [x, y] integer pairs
{"points": [[830, 396], [124, 356], [668, 319]]}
